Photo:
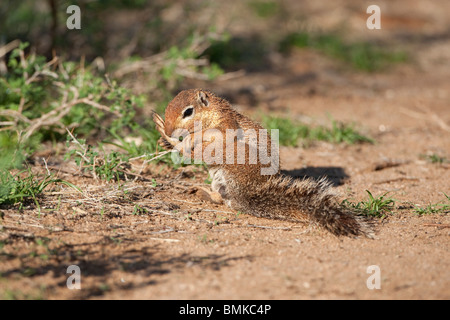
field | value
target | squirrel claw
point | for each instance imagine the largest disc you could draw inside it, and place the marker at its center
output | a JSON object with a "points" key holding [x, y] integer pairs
{"points": [[164, 144]]}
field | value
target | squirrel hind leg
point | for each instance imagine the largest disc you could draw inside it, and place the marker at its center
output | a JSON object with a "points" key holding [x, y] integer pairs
{"points": [[218, 183], [209, 196]]}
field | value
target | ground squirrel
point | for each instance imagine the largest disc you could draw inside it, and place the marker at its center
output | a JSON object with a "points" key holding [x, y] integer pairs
{"points": [[236, 177]]}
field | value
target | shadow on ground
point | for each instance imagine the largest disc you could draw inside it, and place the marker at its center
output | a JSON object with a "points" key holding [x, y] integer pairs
{"points": [[335, 175], [104, 265]]}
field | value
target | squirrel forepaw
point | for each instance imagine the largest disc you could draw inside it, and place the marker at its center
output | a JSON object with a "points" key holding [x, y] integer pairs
{"points": [[165, 144], [165, 141], [159, 123]]}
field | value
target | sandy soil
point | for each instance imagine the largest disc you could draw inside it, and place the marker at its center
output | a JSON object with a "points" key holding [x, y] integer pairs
{"points": [[184, 248]]}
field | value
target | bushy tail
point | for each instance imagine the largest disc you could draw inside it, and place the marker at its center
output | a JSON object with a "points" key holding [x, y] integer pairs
{"points": [[284, 198]]}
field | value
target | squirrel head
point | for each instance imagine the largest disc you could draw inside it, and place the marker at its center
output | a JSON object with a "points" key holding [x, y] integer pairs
{"points": [[190, 107]]}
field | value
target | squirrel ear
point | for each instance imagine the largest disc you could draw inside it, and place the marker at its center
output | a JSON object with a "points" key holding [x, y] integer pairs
{"points": [[202, 99]]}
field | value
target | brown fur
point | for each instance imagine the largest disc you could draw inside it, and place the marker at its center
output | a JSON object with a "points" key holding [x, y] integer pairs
{"points": [[242, 186]]}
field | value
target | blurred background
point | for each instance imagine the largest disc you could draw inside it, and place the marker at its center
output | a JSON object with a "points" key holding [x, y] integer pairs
{"points": [[263, 55]]}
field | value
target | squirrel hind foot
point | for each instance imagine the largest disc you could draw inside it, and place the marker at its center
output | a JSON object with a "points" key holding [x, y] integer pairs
{"points": [[209, 196]]}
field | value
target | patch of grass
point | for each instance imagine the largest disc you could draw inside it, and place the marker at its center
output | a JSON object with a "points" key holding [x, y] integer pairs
{"points": [[39, 98], [12, 154], [233, 53], [434, 158], [204, 239], [36, 294], [434, 208], [102, 165], [363, 56], [25, 185], [169, 71], [265, 9], [372, 207], [290, 132], [44, 243], [110, 165], [143, 146], [138, 210]]}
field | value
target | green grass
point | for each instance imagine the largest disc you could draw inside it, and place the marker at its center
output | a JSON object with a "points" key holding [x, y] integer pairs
{"points": [[363, 56], [434, 158], [265, 9], [38, 99], [434, 208], [25, 185], [291, 132], [233, 53], [373, 206], [138, 210], [114, 165], [102, 165], [36, 294]]}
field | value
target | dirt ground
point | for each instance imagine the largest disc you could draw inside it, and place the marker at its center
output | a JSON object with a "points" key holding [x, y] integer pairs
{"points": [[184, 248]]}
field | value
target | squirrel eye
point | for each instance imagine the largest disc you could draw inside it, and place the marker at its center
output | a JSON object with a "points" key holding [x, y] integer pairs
{"points": [[188, 112]]}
